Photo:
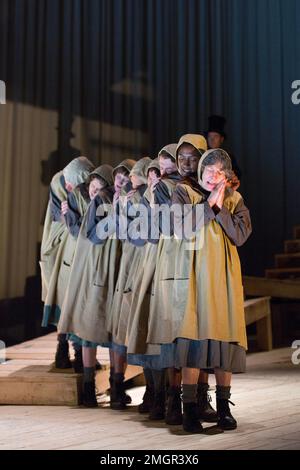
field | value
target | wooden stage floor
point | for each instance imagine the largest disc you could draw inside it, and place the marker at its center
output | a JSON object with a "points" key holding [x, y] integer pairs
{"points": [[267, 408]]}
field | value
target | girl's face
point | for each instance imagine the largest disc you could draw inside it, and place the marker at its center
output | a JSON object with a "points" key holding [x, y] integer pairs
{"points": [[120, 181], [212, 175], [153, 176], [188, 159], [135, 181], [69, 186], [95, 187], [167, 166]]}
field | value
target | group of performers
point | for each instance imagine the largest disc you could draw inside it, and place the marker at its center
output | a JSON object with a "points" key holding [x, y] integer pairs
{"points": [[156, 297]]}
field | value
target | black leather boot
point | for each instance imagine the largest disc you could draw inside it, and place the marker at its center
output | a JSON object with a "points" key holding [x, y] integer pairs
{"points": [[190, 421], [157, 411], [126, 398], [225, 419], [78, 363], [62, 358], [117, 396], [89, 395], [174, 412], [148, 400], [206, 411]]}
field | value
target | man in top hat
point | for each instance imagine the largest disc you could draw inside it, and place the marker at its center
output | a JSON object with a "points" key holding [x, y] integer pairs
{"points": [[216, 135]]}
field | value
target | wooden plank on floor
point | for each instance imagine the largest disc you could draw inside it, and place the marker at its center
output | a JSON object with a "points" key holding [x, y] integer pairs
{"points": [[29, 375], [279, 356]]}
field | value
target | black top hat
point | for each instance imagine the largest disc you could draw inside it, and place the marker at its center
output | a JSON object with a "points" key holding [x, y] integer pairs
{"points": [[216, 124]]}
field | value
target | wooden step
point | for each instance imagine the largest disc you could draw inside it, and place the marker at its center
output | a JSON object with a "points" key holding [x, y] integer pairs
{"points": [[283, 273], [287, 260], [292, 246], [280, 288], [296, 232]]}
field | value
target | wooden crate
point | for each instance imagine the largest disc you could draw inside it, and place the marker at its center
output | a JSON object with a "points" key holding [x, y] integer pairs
{"points": [[28, 377]]}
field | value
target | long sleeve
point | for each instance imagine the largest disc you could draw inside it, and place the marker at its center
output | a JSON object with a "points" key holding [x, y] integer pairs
{"points": [[105, 222], [237, 226], [145, 218], [161, 194], [161, 197], [189, 217], [55, 207], [73, 218]]}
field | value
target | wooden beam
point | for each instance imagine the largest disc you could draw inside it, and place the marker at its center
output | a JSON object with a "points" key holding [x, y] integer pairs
{"points": [[278, 288]]}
